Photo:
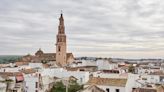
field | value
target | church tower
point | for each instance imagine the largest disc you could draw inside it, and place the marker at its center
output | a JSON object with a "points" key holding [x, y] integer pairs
{"points": [[61, 47]]}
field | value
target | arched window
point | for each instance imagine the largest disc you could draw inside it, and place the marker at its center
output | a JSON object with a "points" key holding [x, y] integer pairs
{"points": [[59, 48]]}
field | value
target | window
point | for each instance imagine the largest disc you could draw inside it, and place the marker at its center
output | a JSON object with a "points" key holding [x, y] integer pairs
{"points": [[107, 90], [36, 84], [117, 90], [14, 90], [81, 70], [59, 48]]}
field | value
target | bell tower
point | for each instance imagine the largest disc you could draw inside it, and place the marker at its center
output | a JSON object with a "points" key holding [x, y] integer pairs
{"points": [[61, 47]]}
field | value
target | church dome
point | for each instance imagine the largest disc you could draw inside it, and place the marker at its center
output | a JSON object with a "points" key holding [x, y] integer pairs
{"points": [[39, 53]]}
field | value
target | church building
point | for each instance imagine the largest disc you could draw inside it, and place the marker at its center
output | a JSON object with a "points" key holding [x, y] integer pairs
{"points": [[61, 57]]}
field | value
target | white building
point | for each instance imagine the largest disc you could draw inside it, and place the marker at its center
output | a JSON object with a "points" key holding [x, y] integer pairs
{"points": [[47, 82], [106, 65], [36, 65], [9, 69], [31, 83], [79, 63], [109, 75], [162, 67], [147, 69], [2, 85], [82, 76]]}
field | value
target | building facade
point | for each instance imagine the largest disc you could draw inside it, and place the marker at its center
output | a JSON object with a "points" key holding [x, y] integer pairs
{"points": [[61, 47]]}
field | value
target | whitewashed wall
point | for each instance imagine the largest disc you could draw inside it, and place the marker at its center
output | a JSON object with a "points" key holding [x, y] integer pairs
{"points": [[105, 65], [36, 65], [3, 87], [30, 82], [109, 75], [82, 77]]}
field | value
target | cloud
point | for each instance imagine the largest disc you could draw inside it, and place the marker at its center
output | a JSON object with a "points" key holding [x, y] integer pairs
{"points": [[113, 28]]}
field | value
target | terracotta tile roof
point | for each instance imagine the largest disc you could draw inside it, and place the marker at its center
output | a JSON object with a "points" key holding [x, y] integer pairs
{"points": [[21, 63], [49, 56], [26, 58], [110, 71], [8, 74], [92, 88], [87, 67], [79, 67], [144, 90], [28, 71], [161, 73], [160, 88], [52, 56], [19, 78], [46, 66], [3, 65], [107, 81], [71, 69]]}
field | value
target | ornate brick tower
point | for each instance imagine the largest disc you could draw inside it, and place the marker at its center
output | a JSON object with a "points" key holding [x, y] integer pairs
{"points": [[61, 47]]}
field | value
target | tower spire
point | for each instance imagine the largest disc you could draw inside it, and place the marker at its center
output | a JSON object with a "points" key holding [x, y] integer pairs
{"points": [[61, 47], [61, 12], [61, 24], [61, 19]]}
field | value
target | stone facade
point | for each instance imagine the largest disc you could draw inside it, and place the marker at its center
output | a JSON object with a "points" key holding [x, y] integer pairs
{"points": [[61, 48]]}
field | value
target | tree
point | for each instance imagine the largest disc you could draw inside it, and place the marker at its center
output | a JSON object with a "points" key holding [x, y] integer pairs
{"points": [[131, 69], [60, 87], [74, 87]]}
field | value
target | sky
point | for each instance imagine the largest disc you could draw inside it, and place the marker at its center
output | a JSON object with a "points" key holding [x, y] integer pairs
{"points": [[101, 28]]}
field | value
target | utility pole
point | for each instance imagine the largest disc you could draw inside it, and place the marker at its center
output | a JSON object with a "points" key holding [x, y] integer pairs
{"points": [[66, 88], [66, 85]]}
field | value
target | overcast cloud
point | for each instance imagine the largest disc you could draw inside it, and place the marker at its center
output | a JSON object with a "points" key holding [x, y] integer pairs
{"points": [[107, 28]]}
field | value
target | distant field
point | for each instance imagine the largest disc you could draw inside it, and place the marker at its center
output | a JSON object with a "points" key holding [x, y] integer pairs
{"points": [[8, 58]]}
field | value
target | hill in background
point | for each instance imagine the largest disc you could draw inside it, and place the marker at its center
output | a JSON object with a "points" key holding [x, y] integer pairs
{"points": [[8, 58]]}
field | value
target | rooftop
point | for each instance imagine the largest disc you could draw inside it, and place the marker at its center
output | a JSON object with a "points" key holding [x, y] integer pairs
{"points": [[107, 81]]}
